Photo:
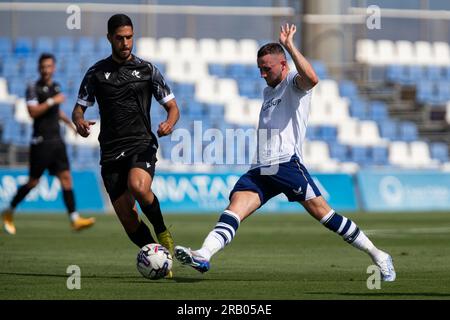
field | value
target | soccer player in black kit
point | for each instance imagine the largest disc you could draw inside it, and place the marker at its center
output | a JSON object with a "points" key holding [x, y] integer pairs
{"points": [[123, 86], [47, 150]]}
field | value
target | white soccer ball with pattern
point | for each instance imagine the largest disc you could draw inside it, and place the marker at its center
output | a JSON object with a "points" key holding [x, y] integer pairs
{"points": [[154, 261]]}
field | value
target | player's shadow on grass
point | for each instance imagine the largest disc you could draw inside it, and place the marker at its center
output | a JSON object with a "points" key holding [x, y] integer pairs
{"points": [[57, 275], [386, 294], [135, 278]]}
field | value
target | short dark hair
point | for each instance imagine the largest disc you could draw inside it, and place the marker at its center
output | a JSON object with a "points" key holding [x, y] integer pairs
{"points": [[271, 48], [118, 20], [45, 56]]}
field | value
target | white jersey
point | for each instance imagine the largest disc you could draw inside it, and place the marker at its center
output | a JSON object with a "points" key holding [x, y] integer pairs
{"points": [[282, 122]]}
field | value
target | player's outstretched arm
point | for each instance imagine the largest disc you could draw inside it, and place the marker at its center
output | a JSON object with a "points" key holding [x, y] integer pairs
{"points": [[173, 114], [82, 125], [307, 76]]}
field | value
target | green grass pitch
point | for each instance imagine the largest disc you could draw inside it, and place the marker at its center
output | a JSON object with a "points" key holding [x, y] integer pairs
{"points": [[273, 257]]}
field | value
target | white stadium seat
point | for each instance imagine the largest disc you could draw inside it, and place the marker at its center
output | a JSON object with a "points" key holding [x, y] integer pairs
{"points": [[228, 51], [146, 48], [441, 53], [369, 134], [420, 155], [208, 49], [424, 54], [166, 49], [399, 153], [248, 49], [365, 51], [385, 52], [405, 52], [187, 48], [21, 111]]}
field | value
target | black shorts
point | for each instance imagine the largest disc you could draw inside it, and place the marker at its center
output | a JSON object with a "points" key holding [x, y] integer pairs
{"points": [[49, 155], [115, 174]]}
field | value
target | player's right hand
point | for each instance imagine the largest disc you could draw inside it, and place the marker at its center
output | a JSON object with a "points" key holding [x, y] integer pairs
{"points": [[83, 127]]}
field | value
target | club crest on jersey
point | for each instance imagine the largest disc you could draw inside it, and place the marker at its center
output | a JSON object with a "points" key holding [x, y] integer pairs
{"points": [[136, 74], [107, 74], [271, 103]]}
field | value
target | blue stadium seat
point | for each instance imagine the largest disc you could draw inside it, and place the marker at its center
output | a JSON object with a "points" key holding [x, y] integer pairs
{"points": [[6, 113], [444, 91], [195, 109], [17, 86], [65, 45], [358, 109], [23, 46], [360, 155], [348, 89], [248, 89], [218, 70], [86, 45], [5, 45], [388, 130], [394, 73], [320, 68], [427, 93], [104, 47], [434, 73], [408, 131], [214, 111], [379, 156], [339, 152], [328, 133], [10, 67], [439, 151], [312, 133], [378, 111], [185, 90], [237, 71], [44, 44]]}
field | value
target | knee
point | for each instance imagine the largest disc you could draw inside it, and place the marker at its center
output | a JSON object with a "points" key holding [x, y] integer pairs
{"points": [[139, 190]]}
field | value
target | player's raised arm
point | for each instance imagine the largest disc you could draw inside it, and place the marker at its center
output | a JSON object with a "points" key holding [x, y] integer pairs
{"points": [[82, 125], [307, 78]]}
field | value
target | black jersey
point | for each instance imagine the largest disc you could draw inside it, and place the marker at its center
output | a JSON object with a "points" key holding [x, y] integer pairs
{"points": [[124, 93], [46, 126]]}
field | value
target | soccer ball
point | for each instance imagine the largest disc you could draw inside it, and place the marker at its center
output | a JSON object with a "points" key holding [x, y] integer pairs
{"points": [[154, 261]]}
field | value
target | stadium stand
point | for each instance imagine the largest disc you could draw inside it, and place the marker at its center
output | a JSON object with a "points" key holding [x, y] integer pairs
{"points": [[217, 81]]}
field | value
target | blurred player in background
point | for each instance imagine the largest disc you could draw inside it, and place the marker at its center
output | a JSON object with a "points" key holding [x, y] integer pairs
{"points": [[286, 107], [47, 150], [123, 85]]}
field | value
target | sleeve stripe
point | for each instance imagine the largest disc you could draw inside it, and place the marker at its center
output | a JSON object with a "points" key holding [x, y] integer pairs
{"points": [[85, 103], [32, 102], [167, 98]]}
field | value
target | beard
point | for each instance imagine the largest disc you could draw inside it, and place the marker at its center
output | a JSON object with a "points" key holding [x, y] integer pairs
{"points": [[121, 55]]}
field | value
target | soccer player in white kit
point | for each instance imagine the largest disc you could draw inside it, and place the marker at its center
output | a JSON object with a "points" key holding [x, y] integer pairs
{"points": [[278, 167]]}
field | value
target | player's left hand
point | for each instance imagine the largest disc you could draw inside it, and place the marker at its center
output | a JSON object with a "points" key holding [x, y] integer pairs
{"points": [[164, 129], [287, 35]]}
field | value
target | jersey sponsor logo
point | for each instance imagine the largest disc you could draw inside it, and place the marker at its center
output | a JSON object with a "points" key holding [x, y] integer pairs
{"points": [[136, 74], [107, 74], [271, 103]]}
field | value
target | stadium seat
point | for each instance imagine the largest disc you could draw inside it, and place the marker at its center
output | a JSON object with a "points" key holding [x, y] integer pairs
{"points": [[369, 135], [5, 45], [359, 155], [208, 50], [408, 131], [378, 111], [420, 155], [441, 53], [228, 51], [188, 48], [44, 44], [248, 49], [348, 89], [439, 151], [379, 156], [423, 53], [65, 45], [86, 45], [405, 52], [166, 49], [104, 47], [434, 73], [320, 69], [365, 51], [358, 109], [385, 52], [399, 153], [339, 152], [145, 48], [23, 46]]}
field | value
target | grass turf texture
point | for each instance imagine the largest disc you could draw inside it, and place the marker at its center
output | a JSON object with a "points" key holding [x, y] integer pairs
{"points": [[272, 257]]}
